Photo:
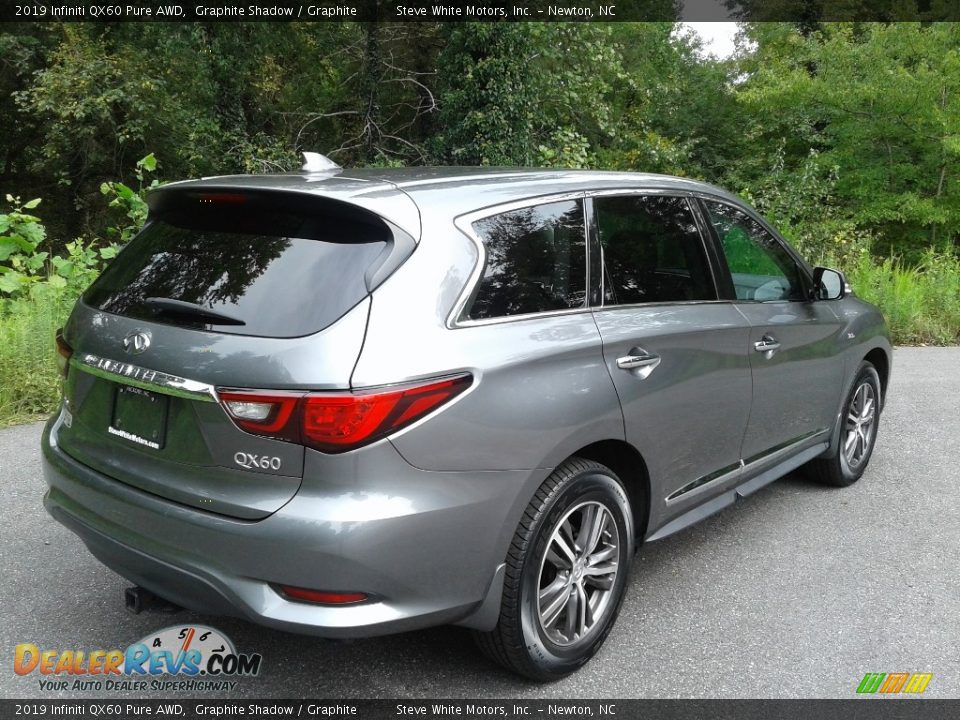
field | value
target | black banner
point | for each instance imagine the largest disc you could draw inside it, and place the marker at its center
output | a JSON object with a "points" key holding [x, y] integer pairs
{"points": [[482, 11], [875, 709]]}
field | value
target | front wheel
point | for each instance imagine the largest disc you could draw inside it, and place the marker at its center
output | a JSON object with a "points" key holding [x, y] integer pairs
{"points": [[566, 573], [859, 420]]}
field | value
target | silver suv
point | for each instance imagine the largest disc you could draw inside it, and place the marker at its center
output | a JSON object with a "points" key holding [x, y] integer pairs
{"points": [[357, 403]]}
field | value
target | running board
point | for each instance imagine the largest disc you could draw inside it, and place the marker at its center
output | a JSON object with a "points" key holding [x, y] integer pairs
{"points": [[712, 507]]}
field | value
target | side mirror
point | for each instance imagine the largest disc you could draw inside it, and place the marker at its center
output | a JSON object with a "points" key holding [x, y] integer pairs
{"points": [[828, 284]]}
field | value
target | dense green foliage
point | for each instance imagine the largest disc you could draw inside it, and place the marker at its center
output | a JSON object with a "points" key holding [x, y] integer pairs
{"points": [[38, 290], [847, 136], [838, 131]]}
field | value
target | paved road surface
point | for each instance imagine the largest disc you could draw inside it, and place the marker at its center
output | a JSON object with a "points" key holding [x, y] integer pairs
{"points": [[796, 592]]}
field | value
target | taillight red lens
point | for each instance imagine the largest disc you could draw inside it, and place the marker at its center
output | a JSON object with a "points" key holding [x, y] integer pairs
{"points": [[338, 421], [322, 597], [64, 352]]}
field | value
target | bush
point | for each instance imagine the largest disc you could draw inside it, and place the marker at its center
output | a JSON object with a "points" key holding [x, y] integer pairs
{"points": [[27, 266], [921, 304], [38, 289], [29, 383]]}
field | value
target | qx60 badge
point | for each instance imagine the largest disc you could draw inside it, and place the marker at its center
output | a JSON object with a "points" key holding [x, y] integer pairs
{"points": [[136, 341], [257, 462]]}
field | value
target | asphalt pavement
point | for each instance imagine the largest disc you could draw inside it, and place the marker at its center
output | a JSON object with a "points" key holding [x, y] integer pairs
{"points": [[795, 592]]}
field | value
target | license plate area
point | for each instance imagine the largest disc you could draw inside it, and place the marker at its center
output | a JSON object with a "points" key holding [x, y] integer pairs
{"points": [[140, 417]]}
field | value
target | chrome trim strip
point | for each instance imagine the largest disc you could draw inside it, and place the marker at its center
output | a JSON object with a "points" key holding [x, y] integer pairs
{"points": [[725, 473], [704, 510], [664, 303], [717, 476], [143, 378], [524, 316], [783, 448]]}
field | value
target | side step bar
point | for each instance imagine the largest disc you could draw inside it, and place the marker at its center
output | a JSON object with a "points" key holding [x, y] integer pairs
{"points": [[728, 498]]}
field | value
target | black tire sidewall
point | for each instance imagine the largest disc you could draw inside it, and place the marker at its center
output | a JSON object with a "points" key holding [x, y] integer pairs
{"points": [[869, 373], [595, 485]]}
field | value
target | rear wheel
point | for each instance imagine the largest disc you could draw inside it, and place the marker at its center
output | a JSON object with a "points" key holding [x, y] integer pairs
{"points": [[566, 573], [858, 432]]}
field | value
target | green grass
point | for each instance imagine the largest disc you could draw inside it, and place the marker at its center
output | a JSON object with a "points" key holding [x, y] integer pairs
{"points": [[921, 304], [29, 384]]}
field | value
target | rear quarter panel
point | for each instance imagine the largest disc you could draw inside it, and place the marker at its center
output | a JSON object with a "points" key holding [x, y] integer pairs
{"points": [[541, 389]]}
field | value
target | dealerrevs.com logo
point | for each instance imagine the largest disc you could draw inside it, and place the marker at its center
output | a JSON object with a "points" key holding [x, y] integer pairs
{"points": [[200, 657]]}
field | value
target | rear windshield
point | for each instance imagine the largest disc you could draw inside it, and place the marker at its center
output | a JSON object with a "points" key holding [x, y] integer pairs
{"points": [[257, 268]]}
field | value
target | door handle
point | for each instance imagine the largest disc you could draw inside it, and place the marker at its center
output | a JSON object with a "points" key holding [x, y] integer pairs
{"points": [[767, 344], [639, 360]]}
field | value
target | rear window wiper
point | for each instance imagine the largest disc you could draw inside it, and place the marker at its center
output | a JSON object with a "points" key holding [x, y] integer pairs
{"points": [[189, 309]]}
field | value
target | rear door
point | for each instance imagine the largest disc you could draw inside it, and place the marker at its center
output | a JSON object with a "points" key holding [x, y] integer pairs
{"points": [[675, 352], [793, 342], [220, 290]]}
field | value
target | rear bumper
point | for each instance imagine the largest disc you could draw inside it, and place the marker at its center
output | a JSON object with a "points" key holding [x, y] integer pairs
{"points": [[425, 546]]}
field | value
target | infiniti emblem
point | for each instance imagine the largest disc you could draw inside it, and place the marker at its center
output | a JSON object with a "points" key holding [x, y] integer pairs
{"points": [[136, 342]]}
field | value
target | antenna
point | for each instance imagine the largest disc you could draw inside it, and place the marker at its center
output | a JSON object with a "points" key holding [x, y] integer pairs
{"points": [[315, 162]]}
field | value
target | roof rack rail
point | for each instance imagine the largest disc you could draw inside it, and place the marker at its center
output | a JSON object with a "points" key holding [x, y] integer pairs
{"points": [[315, 162]]}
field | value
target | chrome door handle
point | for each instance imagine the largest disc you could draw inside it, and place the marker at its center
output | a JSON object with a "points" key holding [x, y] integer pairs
{"points": [[640, 361], [629, 362], [767, 344]]}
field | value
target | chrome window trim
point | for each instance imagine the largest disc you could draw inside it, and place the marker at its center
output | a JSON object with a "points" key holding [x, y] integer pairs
{"points": [[143, 378], [464, 223], [524, 316], [664, 303]]}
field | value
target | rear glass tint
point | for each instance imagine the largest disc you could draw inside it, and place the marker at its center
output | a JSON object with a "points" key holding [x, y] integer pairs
{"points": [[279, 273], [536, 261]]}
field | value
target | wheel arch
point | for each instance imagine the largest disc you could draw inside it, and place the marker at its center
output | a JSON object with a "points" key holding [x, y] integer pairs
{"points": [[629, 465], [879, 357], [881, 361]]}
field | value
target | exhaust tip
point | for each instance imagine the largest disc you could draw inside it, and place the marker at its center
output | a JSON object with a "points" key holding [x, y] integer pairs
{"points": [[137, 600]]}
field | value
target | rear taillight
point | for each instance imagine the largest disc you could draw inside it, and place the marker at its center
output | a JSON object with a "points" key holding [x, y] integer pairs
{"points": [[338, 421], [264, 413], [64, 351]]}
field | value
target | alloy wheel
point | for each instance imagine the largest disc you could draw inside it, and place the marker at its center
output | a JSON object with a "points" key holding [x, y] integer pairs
{"points": [[578, 573], [861, 417]]}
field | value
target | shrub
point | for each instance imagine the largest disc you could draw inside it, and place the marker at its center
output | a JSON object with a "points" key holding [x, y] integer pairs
{"points": [[921, 303], [29, 384], [38, 289]]}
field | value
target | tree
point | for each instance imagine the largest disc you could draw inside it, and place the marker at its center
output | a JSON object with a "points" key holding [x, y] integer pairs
{"points": [[523, 93], [877, 104]]}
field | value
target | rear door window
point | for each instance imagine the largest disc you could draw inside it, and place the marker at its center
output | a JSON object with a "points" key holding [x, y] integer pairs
{"points": [[652, 250], [258, 269], [536, 261]]}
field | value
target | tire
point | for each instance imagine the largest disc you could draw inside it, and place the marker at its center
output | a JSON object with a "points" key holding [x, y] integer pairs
{"points": [[549, 639], [857, 437]]}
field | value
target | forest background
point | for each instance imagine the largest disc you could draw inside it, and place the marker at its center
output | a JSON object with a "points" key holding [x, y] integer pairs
{"points": [[845, 135]]}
